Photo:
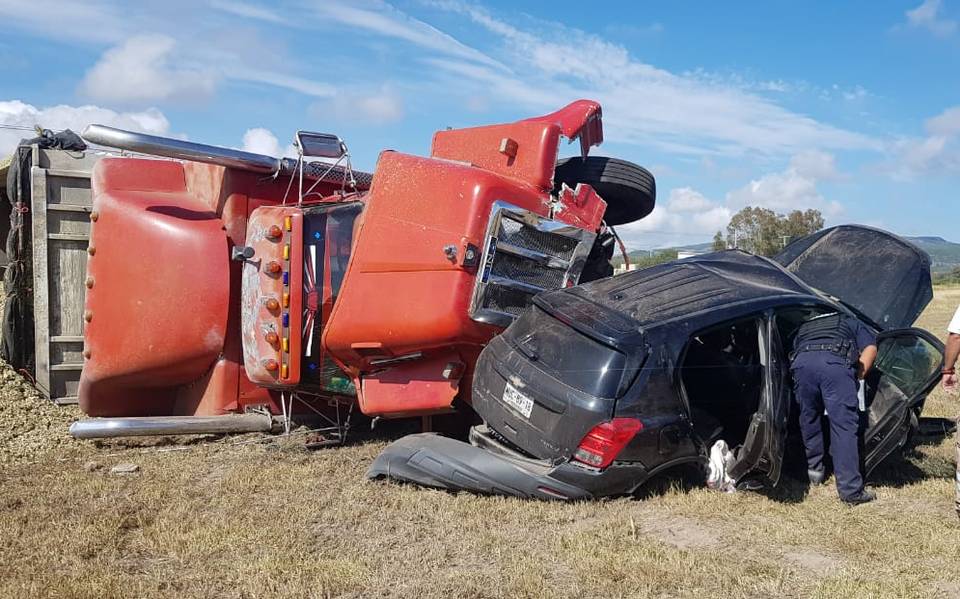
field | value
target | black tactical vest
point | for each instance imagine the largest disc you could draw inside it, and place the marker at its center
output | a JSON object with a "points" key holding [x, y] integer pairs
{"points": [[831, 333]]}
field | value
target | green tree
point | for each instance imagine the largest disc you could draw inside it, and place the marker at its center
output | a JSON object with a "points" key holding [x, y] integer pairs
{"points": [[646, 260], [763, 231], [719, 243], [799, 224]]}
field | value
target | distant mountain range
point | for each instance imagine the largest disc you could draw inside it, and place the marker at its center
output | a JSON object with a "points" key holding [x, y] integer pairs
{"points": [[944, 255]]}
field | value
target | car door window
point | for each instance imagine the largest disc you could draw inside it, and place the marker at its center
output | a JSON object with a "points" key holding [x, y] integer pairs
{"points": [[907, 366], [908, 361]]}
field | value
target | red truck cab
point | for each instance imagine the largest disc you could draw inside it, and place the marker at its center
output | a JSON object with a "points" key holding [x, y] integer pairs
{"points": [[214, 290]]}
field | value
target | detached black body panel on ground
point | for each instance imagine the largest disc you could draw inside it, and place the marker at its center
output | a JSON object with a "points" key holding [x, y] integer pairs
{"points": [[687, 353]]}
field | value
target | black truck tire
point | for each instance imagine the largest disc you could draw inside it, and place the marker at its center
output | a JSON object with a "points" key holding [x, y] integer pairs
{"points": [[629, 189]]}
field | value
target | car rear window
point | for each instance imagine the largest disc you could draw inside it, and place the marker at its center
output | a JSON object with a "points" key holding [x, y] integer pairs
{"points": [[569, 356]]}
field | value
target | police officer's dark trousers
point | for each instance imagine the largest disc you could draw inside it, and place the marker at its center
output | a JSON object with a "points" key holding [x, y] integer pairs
{"points": [[821, 380]]}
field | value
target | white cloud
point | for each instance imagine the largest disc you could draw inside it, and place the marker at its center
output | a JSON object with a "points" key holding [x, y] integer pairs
{"points": [[249, 11], [686, 217], [795, 188], [381, 18], [815, 164], [377, 107], [927, 16], [261, 141], [643, 105], [144, 69], [15, 112], [946, 124], [689, 217], [936, 154], [89, 20]]}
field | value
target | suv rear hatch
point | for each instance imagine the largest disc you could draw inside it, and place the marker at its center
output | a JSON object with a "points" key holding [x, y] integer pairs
{"points": [[543, 385], [883, 277]]}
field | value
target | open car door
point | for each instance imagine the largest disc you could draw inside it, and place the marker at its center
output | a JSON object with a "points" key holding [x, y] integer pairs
{"points": [[883, 277], [907, 368], [761, 457]]}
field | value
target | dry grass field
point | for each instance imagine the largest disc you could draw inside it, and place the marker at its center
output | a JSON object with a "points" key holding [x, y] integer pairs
{"points": [[218, 518]]}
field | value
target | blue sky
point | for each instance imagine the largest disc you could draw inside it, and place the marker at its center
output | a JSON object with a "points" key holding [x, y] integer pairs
{"points": [[851, 108]]}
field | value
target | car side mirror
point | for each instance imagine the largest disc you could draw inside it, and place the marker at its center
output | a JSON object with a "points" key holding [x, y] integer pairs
{"points": [[320, 145]]}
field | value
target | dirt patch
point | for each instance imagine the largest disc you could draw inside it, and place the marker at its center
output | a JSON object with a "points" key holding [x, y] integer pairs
{"points": [[814, 562], [30, 426], [680, 532]]}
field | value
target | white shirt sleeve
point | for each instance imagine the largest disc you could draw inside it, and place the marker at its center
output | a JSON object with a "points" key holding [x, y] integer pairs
{"points": [[954, 326]]}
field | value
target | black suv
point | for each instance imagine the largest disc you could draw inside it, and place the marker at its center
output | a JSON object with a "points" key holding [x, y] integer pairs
{"points": [[604, 385]]}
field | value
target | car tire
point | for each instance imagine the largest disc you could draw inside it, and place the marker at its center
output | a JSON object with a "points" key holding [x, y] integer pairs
{"points": [[629, 189]]}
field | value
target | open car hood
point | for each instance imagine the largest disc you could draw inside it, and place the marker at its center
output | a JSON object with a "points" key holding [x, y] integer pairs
{"points": [[882, 276]]}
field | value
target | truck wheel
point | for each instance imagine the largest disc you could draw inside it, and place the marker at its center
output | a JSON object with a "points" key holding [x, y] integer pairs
{"points": [[629, 189]]}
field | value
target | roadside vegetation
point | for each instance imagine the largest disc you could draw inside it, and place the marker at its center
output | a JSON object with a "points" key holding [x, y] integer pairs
{"points": [[253, 517], [949, 278]]}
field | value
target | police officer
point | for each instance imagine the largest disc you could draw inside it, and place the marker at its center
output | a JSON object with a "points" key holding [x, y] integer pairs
{"points": [[830, 353]]}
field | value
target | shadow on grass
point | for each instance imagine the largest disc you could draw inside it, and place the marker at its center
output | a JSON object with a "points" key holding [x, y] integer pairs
{"points": [[933, 431], [681, 479], [163, 441]]}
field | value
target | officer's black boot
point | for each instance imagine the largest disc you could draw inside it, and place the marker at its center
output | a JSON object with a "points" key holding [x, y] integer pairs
{"points": [[864, 496]]}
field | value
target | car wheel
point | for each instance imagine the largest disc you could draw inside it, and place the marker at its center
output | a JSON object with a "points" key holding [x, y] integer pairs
{"points": [[629, 189]]}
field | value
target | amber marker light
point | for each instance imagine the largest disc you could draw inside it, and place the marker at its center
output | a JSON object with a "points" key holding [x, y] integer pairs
{"points": [[272, 304], [286, 252], [288, 223], [284, 372], [272, 338], [286, 299], [286, 344]]}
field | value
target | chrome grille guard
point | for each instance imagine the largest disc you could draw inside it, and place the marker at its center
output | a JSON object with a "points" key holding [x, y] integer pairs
{"points": [[524, 254]]}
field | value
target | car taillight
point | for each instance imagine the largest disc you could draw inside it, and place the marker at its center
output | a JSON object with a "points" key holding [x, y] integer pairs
{"points": [[602, 444]]}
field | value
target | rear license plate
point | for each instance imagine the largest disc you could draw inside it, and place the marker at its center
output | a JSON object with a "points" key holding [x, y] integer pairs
{"points": [[517, 400]]}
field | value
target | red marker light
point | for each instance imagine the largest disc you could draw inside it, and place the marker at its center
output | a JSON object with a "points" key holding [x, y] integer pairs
{"points": [[272, 338], [274, 232], [273, 267], [270, 365], [272, 304]]}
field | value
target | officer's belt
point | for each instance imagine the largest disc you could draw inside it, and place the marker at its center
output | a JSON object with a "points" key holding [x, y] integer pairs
{"points": [[832, 347]]}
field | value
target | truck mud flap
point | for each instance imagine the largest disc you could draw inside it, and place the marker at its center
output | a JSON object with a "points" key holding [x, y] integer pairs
{"points": [[444, 463]]}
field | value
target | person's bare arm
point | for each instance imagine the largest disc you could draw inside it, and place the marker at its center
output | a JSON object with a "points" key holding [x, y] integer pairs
{"points": [[867, 357], [949, 377]]}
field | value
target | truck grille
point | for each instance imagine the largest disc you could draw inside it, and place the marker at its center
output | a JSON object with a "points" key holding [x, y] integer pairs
{"points": [[524, 254]]}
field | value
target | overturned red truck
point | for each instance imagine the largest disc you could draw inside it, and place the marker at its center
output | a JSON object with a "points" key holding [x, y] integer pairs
{"points": [[226, 288]]}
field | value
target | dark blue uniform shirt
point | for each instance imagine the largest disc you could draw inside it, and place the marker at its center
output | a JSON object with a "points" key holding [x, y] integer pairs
{"points": [[862, 335]]}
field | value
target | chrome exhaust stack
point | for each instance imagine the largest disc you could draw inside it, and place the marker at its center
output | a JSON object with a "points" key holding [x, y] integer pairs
{"points": [[140, 426], [167, 147], [179, 149]]}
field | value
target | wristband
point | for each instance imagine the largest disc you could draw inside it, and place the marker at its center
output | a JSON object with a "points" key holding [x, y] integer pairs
{"points": [[948, 371]]}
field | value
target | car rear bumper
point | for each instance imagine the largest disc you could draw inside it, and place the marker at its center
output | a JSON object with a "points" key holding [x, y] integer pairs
{"points": [[489, 468]]}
